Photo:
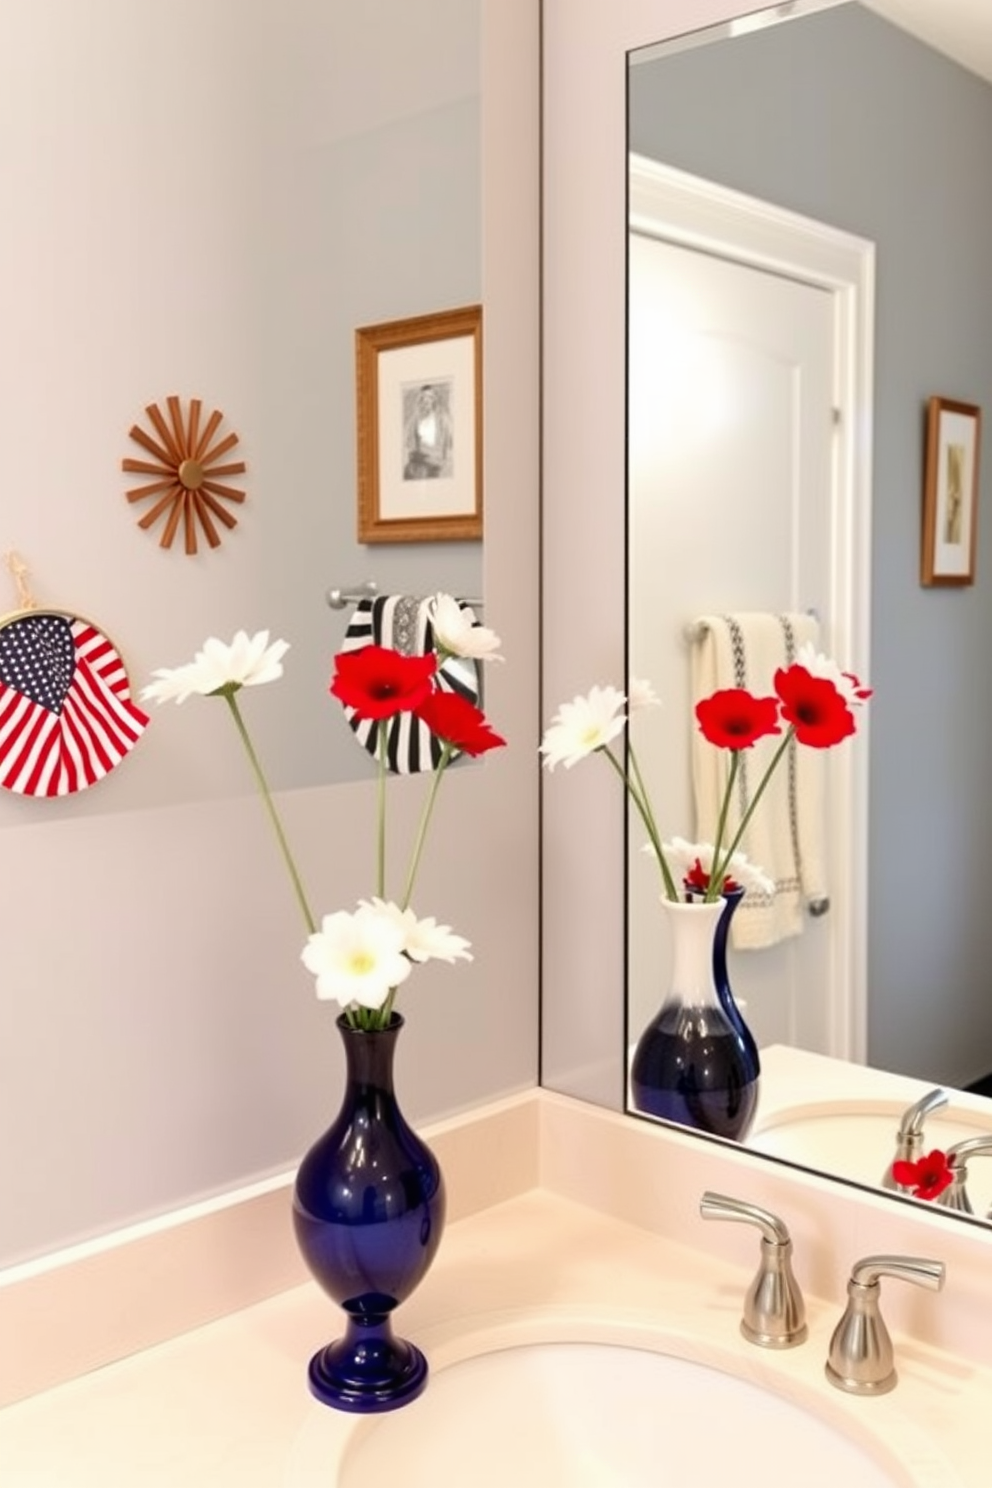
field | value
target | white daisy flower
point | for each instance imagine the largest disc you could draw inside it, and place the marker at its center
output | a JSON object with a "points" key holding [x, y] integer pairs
{"points": [[457, 631], [357, 958], [582, 726], [423, 940], [246, 662]]}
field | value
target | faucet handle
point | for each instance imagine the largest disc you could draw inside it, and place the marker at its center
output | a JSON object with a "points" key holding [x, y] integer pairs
{"points": [[860, 1358], [774, 1310], [913, 1118], [923, 1272], [909, 1137]]}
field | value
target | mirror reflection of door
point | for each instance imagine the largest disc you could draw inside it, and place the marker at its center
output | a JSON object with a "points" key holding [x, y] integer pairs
{"points": [[730, 420], [738, 481]]}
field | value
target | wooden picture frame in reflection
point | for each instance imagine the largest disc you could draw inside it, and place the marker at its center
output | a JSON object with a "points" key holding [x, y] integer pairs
{"points": [[950, 492], [419, 424]]}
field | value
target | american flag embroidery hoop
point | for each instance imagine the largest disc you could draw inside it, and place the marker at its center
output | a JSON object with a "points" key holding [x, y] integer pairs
{"points": [[66, 714]]}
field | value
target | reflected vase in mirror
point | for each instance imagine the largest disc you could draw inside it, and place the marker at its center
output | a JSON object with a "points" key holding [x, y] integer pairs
{"points": [[721, 976], [368, 1211], [696, 1063]]}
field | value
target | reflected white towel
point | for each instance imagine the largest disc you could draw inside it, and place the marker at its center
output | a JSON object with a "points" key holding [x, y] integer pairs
{"points": [[786, 837]]}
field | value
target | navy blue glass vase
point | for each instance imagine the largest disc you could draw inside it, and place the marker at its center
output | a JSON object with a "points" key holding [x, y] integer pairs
{"points": [[692, 1064], [368, 1210]]}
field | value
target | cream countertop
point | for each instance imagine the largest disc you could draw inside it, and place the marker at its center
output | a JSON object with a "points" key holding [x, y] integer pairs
{"points": [[226, 1406], [227, 1403]]}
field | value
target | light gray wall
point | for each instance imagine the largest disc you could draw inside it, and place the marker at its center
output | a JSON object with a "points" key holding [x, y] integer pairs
{"points": [[225, 246], [206, 198], [847, 119]]}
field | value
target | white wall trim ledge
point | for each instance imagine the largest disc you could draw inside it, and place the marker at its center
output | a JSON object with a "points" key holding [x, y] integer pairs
{"points": [[73, 1312]]}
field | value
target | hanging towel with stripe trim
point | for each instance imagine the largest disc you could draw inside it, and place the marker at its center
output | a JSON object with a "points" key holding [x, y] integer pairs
{"points": [[402, 622]]}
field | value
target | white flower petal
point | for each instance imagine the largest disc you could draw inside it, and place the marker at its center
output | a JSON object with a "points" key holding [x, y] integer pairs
{"points": [[582, 726], [429, 941], [172, 684], [457, 631], [246, 662], [386, 908], [423, 940]]}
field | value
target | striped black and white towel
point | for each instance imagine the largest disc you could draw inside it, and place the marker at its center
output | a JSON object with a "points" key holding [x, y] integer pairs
{"points": [[402, 622], [786, 837]]}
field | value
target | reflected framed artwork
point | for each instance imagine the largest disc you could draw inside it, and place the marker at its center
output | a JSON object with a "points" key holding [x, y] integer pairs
{"points": [[419, 424], [950, 492]]}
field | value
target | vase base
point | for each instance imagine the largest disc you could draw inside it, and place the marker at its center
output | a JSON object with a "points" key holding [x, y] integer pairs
{"points": [[357, 1379]]}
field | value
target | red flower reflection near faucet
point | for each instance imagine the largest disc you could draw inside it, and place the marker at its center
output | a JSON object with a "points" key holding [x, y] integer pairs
{"points": [[927, 1177]]}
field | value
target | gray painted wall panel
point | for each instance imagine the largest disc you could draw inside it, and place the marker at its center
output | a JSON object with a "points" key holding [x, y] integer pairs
{"points": [[159, 1038]]}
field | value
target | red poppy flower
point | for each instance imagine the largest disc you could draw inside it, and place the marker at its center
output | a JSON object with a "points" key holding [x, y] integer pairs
{"points": [[458, 722], [814, 707], [734, 718], [928, 1177], [378, 682]]}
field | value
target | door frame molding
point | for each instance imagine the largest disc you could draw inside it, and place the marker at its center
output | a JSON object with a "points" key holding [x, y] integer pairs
{"points": [[683, 209]]}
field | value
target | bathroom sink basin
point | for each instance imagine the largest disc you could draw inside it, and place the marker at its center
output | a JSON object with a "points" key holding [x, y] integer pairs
{"points": [[856, 1139], [599, 1415]]}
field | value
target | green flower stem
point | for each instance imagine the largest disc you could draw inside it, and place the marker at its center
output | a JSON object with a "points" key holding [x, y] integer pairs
{"points": [[425, 817], [381, 812], [635, 790], [745, 819], [266, 794], [380, 1017], [369, 1019], [647, 815], [715, 886]]}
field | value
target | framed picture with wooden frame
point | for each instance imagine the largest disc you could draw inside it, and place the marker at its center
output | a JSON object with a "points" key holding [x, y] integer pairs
{"points": [[950, 492], [419, 390]]}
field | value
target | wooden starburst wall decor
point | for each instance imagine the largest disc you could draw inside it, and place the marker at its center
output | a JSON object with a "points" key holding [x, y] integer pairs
{"points": [[186, 470]]}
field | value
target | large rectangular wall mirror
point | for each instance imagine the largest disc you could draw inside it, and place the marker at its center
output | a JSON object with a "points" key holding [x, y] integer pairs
{"points": [[805, 266]]}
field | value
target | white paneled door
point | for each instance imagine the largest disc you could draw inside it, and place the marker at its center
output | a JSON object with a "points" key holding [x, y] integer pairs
{"points": [[737, 476]]}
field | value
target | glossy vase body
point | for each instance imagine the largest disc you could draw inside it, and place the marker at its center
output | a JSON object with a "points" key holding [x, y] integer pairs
{"points": [[692, 1064], [368, 1210]]}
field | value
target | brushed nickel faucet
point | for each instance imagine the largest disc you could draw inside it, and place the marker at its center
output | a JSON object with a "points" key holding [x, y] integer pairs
{"points": [[909, 1138], [774, 1310], [956, 1195], [860, 1358]]}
